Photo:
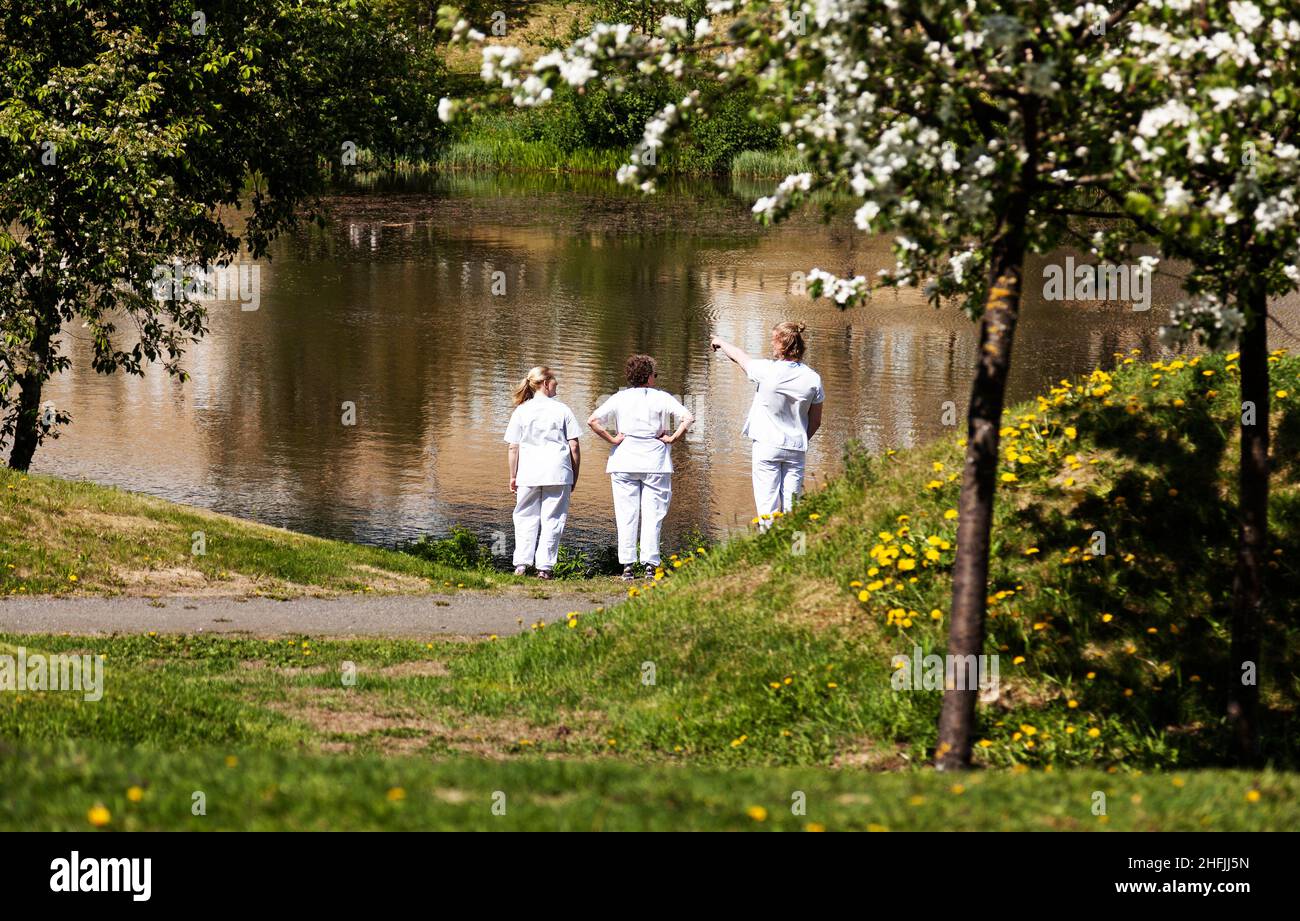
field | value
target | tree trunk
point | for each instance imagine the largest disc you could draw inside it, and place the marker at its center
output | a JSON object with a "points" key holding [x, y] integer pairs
{"points": [[27, 427], [1252, 534], [979, 481]]}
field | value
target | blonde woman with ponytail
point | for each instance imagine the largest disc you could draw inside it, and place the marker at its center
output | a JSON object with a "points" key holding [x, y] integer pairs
{"points": [[785, 414], [544, 459]]}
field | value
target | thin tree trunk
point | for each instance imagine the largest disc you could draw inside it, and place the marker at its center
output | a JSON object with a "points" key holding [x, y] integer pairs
{"points": [[979, 481], [1252, 534], [27, 425]]}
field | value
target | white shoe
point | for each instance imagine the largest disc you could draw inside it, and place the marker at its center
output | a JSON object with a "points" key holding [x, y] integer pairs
{"points": [[521, 570]]}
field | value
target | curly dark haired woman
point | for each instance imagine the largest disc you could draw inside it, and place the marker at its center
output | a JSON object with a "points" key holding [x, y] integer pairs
{"points": [[641, 464]]}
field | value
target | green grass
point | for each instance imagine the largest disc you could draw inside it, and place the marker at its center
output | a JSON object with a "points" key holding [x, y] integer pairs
{"points": [[59, 536], [499, 150], [510, 142], [763, 663], [767, 164], [55, 787]]}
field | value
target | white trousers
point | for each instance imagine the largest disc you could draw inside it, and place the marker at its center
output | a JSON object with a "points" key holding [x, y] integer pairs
{"points": [[778, 478], [640, 504], [540, 513]]}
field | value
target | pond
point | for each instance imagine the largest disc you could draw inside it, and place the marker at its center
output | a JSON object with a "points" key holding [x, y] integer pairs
{"points": [[424, 301]]}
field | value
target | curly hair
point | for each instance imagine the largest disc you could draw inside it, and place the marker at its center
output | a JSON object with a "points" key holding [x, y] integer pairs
{"points": [[638, 370]]}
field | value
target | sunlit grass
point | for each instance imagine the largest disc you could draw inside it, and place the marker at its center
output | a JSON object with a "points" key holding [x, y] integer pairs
{"points": [[60, 536], [67, 786]]}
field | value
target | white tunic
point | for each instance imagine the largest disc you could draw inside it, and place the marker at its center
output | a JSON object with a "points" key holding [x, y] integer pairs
{"points": [[543, 427], [778, 417], [642, 414]]}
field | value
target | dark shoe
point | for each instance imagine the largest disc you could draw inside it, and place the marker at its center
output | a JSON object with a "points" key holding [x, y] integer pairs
{"points": [[650, 569], [629, 572], [544, 575]]}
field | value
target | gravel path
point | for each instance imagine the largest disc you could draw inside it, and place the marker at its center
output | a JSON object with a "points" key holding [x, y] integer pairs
{"points": [[465, 613]]}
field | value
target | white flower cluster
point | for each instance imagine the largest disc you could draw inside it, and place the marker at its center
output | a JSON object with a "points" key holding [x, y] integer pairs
{"points": [[786, 193], [461, 32], [1206, 317], [844, 291]]}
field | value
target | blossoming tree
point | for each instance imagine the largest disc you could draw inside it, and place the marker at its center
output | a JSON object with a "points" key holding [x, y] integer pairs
{"points": [[1210, 172], [975, 133]]}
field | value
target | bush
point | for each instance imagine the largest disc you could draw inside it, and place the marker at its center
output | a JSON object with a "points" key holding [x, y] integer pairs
{"points": [[459, 549], [585, 564], [598, 121]]}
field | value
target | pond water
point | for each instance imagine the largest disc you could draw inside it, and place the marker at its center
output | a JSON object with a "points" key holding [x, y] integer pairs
{"points": [[423, 302]]}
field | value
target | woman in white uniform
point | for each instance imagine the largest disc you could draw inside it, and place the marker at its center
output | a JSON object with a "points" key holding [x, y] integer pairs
{"points": [[640, 467], [786, 413], [544, 461]]}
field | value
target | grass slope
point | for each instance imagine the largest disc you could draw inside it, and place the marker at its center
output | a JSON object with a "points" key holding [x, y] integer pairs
{"points": [[774, 651], [778, 649], [59, 536]]}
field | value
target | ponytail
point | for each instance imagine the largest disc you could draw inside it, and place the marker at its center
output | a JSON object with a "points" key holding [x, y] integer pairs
{"points": [[531, 383]]}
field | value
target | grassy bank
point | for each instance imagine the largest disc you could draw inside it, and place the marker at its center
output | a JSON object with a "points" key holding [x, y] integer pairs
{"points": [[780, 649], [65, 787], [776, 652], [62, 537], [528, 144]]}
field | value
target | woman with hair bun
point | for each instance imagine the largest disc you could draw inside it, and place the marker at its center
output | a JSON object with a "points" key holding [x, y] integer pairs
{"points": [[544, 461], [785, 414], [640, 467]]}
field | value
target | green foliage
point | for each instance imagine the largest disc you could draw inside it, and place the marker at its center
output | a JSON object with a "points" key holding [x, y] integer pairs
{"points": [[586, 564], [192, 136], [460, 549], [595, 131]]}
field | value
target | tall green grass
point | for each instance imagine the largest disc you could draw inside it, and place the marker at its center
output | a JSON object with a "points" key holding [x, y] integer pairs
{"points": [[768, 164], [71, 787]]}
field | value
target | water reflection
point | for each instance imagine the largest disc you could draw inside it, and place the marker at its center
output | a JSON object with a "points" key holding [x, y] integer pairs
{"points": [[423, 305]]}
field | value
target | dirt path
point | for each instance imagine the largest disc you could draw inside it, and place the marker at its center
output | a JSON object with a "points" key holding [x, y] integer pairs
{"points": [[465, 613]]}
